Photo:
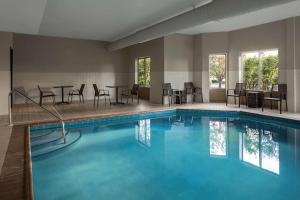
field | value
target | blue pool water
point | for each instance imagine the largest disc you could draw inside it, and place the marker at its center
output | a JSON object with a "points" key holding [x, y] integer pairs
{"points": [[174, 155]]}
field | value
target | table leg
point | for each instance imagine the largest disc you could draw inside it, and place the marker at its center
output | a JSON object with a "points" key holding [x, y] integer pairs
{"points": [[62, 95], [117, 95]]}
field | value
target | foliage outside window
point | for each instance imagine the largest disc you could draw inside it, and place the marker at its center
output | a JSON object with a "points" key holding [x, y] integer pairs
{"points": [[143, 71], [261, 69], [217, 70]]}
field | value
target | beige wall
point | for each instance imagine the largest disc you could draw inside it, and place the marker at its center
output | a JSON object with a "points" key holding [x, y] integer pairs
{"points": [[212, 43], [50, 61], [283, 35], [178, 60], [154, 49], [5, 44], [297, 63]]}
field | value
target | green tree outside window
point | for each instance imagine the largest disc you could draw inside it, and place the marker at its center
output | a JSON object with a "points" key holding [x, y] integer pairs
{"points": [[267, 66], [143, 68]]}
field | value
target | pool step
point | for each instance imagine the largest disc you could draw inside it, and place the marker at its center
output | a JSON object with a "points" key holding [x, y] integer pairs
{"points": [[52, 142], [54, 137]]}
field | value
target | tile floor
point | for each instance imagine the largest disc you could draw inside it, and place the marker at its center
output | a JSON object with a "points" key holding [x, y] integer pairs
{"points": [[29, 113]]}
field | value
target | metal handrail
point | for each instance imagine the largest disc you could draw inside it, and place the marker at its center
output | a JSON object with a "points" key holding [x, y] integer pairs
{"points": [[55, 115]]}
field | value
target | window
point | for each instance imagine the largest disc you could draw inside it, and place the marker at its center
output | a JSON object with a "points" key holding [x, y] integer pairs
{"points": [[260, 69], [217, 70], [143, 71]]}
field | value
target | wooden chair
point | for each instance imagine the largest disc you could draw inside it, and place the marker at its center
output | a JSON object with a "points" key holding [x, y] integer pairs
{"points": [[167, 91], [100, 93], [134, 91], [190, 89], [45, 93], [278, 94], [77, 92], [238, 92]]}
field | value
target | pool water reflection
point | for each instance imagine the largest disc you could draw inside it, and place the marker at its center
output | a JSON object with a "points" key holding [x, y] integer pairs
{"points": [[176, 157]]}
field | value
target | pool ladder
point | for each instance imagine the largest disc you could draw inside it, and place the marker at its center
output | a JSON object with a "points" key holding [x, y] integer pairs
{"points": [[55, 115]]}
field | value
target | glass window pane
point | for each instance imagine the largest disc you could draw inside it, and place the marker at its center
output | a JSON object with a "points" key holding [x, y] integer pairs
{"points": [[143, 67], [217, 70], [261, 69]]}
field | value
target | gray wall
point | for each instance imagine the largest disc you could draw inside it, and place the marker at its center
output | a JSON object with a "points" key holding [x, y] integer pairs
{"points": [[50, 61], [5, 44]]}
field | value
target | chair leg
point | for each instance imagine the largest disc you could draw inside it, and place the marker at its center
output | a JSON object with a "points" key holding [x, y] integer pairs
{"points": [[98, 101], [280, 104], [94, 99], [239, 102], [286, 105], [82, 98], [41, 100], [271, 104], [226, 100], [234, 100], [262, 105], [72, 99], [105, 100]]}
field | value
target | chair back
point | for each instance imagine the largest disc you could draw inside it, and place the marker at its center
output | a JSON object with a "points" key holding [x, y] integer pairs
{"points": [[167, 89], [240, 88], [189, 87], [279, 90], [81, 88], [135, 89], [96, 90]]}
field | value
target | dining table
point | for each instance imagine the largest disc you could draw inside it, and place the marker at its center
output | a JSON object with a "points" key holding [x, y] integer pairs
{"points": [[116, 87], [62, 87]]}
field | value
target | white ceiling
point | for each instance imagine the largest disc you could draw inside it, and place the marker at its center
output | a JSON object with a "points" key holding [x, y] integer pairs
{"points": [[22, 16], [110, 20], [258, 17], [106, 20]]}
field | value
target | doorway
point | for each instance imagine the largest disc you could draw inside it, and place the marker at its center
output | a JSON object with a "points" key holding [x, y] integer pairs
{"points": [[217, 77]]}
